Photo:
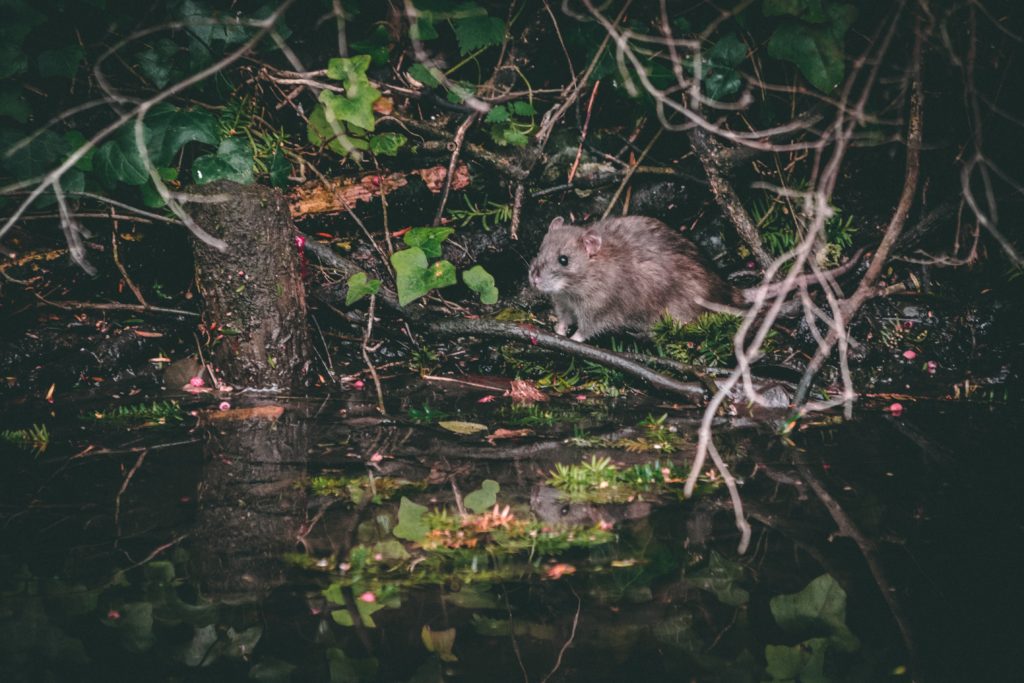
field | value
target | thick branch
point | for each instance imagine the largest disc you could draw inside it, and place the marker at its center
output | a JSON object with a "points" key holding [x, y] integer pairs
{"points": [[489, 328], [710, 153]]}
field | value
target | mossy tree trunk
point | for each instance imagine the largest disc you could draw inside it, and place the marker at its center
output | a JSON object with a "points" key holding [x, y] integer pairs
{"points": [[253, 292]]}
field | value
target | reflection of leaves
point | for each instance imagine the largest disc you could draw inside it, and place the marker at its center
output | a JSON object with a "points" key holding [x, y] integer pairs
{"points": [[412, 525], [819, 609], [439, 642], [720, 577], [803, 662], [483, 499]]}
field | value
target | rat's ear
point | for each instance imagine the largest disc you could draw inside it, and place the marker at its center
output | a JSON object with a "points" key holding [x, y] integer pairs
{"points": [[556, 222], [591, 242]]}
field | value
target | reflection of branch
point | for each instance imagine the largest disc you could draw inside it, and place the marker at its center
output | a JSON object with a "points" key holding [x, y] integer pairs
{"points": [[869, 551]]}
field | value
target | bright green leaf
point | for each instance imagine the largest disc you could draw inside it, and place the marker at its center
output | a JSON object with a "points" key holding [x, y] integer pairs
{"points": [[350, 70], [481, 282], [413, 276], [497, 114], [523, 108], [359, 286], [484, 498], [428, 239], [412, 525], [357, 110], [387, 144]]}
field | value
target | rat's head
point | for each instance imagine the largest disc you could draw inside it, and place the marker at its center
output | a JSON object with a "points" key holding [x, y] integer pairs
{"points": [[564, 257]]}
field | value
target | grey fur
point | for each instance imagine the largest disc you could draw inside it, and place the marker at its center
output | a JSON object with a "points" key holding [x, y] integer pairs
{"points": [[623, 273]]}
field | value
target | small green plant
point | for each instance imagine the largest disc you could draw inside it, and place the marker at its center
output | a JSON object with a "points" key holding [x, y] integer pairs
{"points": [[423, 360], [771, 215], [344, 123], [489, 215], [34, 439], [415, 275], [511, 123], [143, 415], [427, 414]]}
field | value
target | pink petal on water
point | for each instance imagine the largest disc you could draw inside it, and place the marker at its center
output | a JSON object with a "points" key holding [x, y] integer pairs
{"points": [[368, 596], [895, 409], [196, 381], [910, 354]]}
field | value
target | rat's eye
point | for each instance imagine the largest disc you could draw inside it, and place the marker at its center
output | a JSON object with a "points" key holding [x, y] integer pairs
{"points": [[563, 259]]}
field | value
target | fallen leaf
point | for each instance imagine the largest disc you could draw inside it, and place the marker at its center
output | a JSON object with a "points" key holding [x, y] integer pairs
{"points": [[523, 391], [559, 570], [255, 413], [460, 427], [148, 335], [507, 434]]}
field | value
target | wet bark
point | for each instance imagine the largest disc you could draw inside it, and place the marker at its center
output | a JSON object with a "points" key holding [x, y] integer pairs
{"points": [[253, 291]]}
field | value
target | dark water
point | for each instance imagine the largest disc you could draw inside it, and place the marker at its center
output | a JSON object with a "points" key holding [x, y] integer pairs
{"points": [[212, 551]]}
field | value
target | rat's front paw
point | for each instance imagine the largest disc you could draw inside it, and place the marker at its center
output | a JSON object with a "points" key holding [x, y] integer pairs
{"points": [[578, 337], [561, 328]]}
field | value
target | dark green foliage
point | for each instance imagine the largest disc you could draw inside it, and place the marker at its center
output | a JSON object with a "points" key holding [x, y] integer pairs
{"points": [[708, 340]]}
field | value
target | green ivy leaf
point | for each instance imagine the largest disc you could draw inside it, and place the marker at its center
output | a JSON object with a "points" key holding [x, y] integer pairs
{"points": [[279, 169], [387, 144], [819, 609], [412, 525], [36, 157], [816, 49], [150, 196], [377, 45], [61, 62], [359, 286], [721, 79], [481, 282], [74, 140], [157, 62], [355, 110], [349, 70], [483, 498], [428, 239], [19, 18], [233, 161], [474, 33], [413, 276], [118, 160], [13, 104], [808, 10], [320, 131], [168, 129]]}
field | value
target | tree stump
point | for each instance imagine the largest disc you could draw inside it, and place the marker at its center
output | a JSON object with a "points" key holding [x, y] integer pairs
{"points": [[254, 299]]}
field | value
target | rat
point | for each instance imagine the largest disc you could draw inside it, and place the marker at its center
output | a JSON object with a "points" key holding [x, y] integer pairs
{"points": [[626, 273]]}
